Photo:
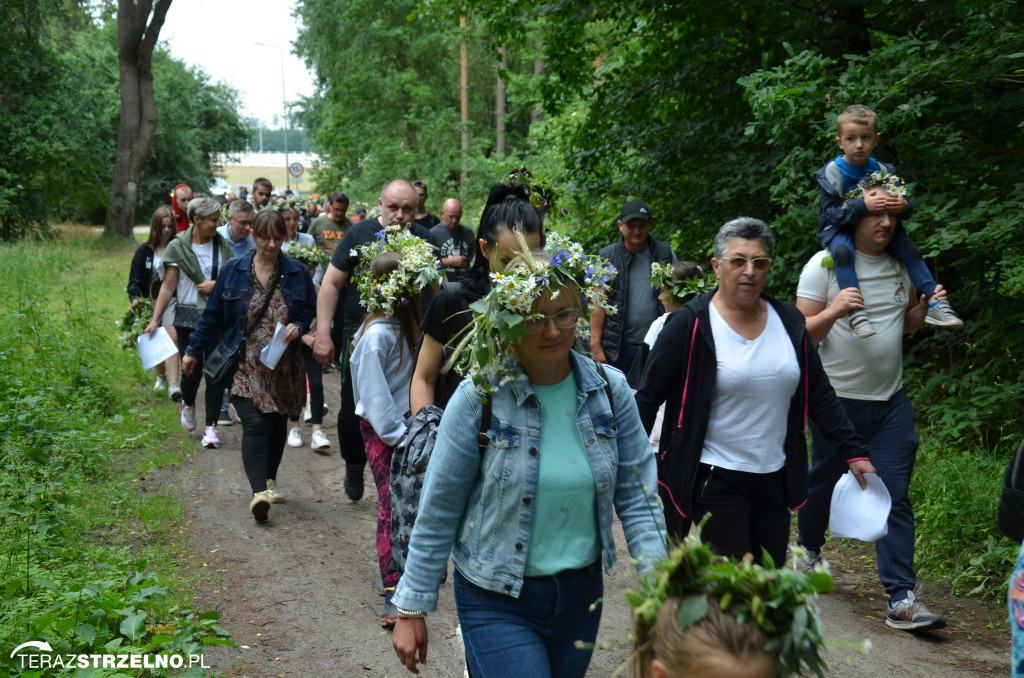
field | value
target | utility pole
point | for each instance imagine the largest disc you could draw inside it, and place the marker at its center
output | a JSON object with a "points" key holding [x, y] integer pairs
{"points": [[284, 105]]}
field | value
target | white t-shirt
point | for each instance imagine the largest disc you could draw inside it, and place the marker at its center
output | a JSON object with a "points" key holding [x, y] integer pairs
{"points": [[871, 368], [755, 381]]}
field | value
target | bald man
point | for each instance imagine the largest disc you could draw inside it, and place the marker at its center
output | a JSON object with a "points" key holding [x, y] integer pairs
{"points": [[454, 240]]}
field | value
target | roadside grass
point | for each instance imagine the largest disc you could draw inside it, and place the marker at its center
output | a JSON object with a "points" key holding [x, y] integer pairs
{"points": [[93, 558]]}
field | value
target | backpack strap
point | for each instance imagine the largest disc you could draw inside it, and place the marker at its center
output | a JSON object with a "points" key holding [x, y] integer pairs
{"points": [[607, 388], [482, 439]]}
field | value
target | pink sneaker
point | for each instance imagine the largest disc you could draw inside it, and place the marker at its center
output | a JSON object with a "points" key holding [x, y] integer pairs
{"points": [[210, 439], [188, 418]]}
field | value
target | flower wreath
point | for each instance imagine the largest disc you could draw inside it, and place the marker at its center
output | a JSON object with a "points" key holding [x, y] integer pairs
{"points": [[310, 256], [780, 601], [888, 181], [418, 268], [286, 204], [680, 290], [486, 353]]}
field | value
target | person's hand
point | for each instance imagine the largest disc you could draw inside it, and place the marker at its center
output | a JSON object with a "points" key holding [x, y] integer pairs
{"points": [[291, 333], [135, 304], [849, 299], [323, 350], [460, 261], [895, 204], [876, 201], [308, 340], [206, 286], [859, 468], [599, 355], [940, 294], [188, 363], [150, 328], [410, 641]]}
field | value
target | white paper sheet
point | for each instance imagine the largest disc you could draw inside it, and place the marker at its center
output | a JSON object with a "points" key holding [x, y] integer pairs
{"points": [[860, 514], [156, 349], [275, 349]]}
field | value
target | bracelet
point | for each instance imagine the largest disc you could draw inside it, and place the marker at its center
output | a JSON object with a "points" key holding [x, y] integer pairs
{"points": [[411, 614]]}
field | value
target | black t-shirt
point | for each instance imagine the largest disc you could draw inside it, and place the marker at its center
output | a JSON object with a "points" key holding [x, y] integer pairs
{"points": [[359, 234], [428, 222], [459, 243], [445, 319]]}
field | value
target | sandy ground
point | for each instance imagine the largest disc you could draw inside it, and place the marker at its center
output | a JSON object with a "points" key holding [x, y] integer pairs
{"points": [[298, 592]]}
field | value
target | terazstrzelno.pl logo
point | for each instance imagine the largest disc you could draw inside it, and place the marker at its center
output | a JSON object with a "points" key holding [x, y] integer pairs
{"points": [[42, 659]]}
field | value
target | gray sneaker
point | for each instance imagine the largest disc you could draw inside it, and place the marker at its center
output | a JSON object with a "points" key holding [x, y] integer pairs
{"points": [[809, 561], [941, 314], [912, 615], [861, 326]]}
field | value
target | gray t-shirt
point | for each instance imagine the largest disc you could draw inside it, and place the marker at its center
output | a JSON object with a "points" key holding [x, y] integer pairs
{"points": [[871, 368], [641, 303]]}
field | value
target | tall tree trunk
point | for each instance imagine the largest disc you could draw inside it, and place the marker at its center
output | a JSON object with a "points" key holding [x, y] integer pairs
{"points": [[538, 70], [138, 27], [464, 89], [499, 104]]}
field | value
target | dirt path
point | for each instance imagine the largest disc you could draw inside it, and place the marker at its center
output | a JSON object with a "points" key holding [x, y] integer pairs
{"points": [[298, 592]]}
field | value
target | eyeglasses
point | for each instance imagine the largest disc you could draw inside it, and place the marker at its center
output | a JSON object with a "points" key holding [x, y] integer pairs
{"points": [[740, 263], [563, 320], [247, 223]]}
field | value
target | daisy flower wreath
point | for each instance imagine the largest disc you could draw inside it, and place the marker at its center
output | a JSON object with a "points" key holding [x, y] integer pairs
{"points": [[310, 256], [891, 183], [486, 352], [781, 602], [418, 268]]}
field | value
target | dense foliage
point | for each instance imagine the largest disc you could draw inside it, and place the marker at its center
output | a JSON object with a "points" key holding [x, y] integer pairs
{"points": [[59, 108]]}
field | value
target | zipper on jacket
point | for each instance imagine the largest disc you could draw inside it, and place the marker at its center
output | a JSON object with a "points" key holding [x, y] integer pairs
{"points": [[706, 481]]}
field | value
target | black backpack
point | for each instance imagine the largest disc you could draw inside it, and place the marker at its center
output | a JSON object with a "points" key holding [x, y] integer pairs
{"points": [[1011, 503]]}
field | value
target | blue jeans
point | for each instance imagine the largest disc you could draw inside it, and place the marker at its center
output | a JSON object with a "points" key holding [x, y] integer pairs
{"points": [[902, 248], [534, 635], [1015, 602], [887, 427]]}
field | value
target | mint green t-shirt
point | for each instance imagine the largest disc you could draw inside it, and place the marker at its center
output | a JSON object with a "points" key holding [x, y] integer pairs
{"points": [[565, 534]]}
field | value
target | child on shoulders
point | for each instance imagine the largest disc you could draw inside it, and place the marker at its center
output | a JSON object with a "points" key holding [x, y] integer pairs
{"points": [[845, 198]]}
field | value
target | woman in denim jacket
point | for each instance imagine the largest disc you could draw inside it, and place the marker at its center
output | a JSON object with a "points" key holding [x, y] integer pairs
{"points": [[526, 512], [263, 398]]}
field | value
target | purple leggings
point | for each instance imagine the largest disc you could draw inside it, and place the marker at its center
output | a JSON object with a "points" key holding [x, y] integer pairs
{"points": [[379, 455]]}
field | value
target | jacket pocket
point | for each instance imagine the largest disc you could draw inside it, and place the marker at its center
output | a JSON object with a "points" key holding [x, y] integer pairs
{"points": [[500, 456]]}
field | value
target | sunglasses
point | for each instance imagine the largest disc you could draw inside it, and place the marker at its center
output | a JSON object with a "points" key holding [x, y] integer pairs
{"points": [[740, 263]]}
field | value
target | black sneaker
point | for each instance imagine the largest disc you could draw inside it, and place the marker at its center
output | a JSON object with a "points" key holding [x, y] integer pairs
{"points": [[912, 615], [354, 481]]}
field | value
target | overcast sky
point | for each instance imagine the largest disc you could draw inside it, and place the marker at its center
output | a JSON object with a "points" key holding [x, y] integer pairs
{"points": [[220, 38]]}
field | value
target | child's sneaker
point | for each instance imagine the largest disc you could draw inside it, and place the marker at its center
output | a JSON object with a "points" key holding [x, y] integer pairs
{"points": [[210, 439], [861, 326], [941, 314], [161, 383], [912, 615]]}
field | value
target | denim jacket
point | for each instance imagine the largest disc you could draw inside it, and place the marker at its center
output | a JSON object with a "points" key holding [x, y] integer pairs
{"points": [[477, 505], [228, 305]]}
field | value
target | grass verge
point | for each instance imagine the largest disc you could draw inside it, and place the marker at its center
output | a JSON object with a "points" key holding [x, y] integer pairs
{"points": [[90, 564]]}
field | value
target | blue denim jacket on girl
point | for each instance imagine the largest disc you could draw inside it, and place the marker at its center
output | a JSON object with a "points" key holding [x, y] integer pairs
{"points": [[477, 505], [227, 307]]}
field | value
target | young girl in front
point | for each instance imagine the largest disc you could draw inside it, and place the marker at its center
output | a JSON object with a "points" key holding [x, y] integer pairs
{"points": [[706, 615], [383, 358]]}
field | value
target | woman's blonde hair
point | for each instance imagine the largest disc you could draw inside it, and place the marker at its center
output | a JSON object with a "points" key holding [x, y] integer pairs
{"points": [[718, 634]]}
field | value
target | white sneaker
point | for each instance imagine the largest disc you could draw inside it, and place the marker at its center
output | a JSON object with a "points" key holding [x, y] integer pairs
{"points": [[210, 439], [174, 390], [319, 440], [161, 383], [232, 414], [307, 414], [274, 495], [260, 506], [295, 437], [188, 418]]}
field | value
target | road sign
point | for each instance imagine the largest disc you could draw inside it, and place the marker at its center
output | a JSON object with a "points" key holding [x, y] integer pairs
{"points": [[295, 169]]}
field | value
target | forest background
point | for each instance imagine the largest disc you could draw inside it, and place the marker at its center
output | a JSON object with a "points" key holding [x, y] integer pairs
{"points": [[707, 111]]}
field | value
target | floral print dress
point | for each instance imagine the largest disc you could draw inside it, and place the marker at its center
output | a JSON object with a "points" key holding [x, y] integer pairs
{"points": [[283, 389]]}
